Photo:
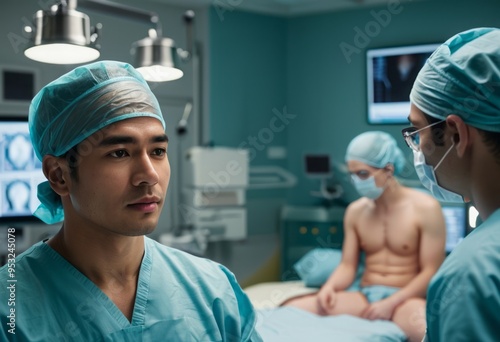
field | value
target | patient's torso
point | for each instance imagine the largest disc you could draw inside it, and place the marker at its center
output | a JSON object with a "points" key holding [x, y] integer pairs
{"points": [[390, 239]]}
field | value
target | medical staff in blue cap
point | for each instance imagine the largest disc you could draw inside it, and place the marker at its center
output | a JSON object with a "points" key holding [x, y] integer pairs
{"points": [[100, 133], [455, 113]]}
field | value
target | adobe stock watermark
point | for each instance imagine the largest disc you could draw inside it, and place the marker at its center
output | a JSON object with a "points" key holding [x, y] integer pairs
{"points": [[254, 144], [20, 41], [363, 36], [316, 258], [265, 136], [222, 6], [11, 281]]}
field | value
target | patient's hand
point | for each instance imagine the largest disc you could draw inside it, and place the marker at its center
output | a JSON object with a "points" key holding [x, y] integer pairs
{"points": [[382, 309], [327, 298]]}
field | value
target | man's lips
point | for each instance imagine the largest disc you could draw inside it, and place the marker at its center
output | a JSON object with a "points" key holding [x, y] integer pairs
{"points": [[146, 200], [146, 204]]}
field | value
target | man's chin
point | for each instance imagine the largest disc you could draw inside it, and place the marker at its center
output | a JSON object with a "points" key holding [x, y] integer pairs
{"points": [[140, 231]]}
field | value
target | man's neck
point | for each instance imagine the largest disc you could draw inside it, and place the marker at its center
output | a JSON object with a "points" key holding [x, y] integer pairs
{"points": [[391, 194], [103, 259], [111, 262]]}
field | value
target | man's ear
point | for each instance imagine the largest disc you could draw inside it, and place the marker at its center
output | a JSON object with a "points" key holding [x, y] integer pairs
{"points": [[56, 171], [461, 134], [390, 167]]}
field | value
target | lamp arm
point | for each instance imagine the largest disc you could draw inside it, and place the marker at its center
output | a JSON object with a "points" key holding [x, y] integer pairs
{"points": [[185, 54], [111, 8], [70, 4]]}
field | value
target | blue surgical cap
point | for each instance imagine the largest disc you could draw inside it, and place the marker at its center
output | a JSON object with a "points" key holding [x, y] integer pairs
{"points": [[462, 77], [76, 105], [377, 149]]}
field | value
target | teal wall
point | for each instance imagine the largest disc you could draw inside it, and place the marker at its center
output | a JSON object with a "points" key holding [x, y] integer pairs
{"points": [[247, 87], [248, 74], [259, 63]]}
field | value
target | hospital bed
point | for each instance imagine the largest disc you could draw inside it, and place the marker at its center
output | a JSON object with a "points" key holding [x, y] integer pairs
{"points": [[278, 323]]}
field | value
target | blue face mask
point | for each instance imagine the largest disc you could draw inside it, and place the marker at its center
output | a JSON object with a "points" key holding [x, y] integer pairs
{"points": [[367, 187], [427, 176]]}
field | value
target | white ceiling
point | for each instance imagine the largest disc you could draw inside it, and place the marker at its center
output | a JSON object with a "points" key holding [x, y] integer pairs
{"points": [[280, 7]]}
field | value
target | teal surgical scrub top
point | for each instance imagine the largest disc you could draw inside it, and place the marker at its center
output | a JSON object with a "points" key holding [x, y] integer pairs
{"points": [[179, 297], [463, 299]]}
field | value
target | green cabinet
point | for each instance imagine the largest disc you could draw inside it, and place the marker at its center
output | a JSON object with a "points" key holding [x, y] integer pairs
{"points": [[307, 228]]}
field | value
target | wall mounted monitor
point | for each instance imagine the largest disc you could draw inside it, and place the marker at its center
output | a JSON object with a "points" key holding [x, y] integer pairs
{"points": [[20, 171], [455, 215], [391, 73], [317, 165]]}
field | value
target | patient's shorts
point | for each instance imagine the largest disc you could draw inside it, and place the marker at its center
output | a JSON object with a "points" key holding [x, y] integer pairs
{"points": [[374, 293]]}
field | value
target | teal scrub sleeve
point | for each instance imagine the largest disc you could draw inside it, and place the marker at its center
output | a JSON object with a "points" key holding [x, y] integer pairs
{"points": [[247, 315], [466, 306]]}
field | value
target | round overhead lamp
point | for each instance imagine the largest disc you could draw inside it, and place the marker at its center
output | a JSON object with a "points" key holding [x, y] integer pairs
{"points": [[62, 36], [157, 59]]}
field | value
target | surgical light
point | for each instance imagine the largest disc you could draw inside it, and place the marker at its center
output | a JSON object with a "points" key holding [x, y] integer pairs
{"points": [[63, 35]]}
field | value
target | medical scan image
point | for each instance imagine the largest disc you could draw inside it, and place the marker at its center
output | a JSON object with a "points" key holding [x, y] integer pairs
{"points": [[18, 152], [16, 197]]}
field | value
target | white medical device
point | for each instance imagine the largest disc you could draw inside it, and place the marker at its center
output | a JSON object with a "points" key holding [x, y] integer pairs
{"points": [[215, 182]]}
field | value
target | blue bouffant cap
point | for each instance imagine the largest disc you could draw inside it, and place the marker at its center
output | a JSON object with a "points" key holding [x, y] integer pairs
{"points": [[462, 77], [377, 149]]}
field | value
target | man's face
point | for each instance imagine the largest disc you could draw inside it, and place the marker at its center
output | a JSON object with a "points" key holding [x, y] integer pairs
{"points": [[123, 175], [427, 146], [364, 171]]}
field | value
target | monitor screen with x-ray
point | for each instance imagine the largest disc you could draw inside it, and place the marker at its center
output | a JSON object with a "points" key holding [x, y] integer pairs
{"points": [[20, 171]]}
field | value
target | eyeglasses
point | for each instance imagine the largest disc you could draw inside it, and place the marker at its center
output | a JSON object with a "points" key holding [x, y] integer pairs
{"points": [[412, 136], [364, 174]]}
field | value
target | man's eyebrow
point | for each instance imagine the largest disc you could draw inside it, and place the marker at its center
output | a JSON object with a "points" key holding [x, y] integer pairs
{"points": [[160, 138], [125, 139]]}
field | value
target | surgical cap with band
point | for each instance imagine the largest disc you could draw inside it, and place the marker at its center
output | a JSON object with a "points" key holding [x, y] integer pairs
{"points": [[462, 77], [377, 149], [78, 104]]}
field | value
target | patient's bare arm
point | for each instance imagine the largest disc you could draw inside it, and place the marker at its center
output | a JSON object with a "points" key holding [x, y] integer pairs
{"points": [[345, 273]]}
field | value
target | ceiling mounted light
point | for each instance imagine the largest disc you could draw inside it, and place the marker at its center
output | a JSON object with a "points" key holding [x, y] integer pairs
{"points": [[157, 59], [64, 36]]}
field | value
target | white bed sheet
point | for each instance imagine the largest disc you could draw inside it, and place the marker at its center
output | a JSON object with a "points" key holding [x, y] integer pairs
{"points": [[289, 324]]}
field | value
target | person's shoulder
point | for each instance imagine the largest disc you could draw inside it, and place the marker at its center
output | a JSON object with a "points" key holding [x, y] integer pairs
{"points": [[360, 205], [13, 266], [179, 257], [356, 210], [466, 256], [422, 199], [196, 268], [460, 277]]}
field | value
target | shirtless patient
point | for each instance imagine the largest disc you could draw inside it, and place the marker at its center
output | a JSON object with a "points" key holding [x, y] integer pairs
{"points": [[401, 231]]}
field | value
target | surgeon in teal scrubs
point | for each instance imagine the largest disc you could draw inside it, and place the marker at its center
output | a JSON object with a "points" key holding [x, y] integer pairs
{"points": [[101, 136], [455, 113]]}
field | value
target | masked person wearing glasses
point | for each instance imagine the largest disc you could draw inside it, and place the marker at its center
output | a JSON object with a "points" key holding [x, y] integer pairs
{"points": [[402, 234], [455, 113]]}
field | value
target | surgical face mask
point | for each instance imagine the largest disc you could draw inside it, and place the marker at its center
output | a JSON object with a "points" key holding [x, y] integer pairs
{"points": [[367, 187], [427, 176]]}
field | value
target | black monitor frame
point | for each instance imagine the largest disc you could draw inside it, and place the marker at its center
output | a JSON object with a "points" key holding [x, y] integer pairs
{"points": [[387, 92], [318, 165]]}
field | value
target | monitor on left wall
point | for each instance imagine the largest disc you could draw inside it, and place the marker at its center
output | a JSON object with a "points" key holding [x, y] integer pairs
{"points": [[20, 171]]}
